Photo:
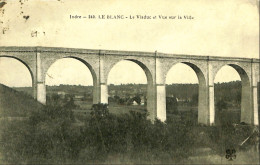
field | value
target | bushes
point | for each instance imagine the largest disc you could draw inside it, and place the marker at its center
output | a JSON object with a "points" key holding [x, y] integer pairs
{"points": [[133, 135], [221, 105], [53, 136], [172, 105], [50, 136], [44, 137]]}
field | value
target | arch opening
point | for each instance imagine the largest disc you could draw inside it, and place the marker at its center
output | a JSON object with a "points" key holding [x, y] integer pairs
{"points": [[71, 80], [232, 97], [185, 84], [16, 74], [130, 87]]}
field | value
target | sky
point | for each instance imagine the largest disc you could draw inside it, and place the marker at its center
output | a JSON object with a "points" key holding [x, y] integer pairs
{"points": [[64, 71], [219, 28]]}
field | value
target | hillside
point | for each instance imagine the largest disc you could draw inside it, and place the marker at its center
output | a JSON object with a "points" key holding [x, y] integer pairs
{"points": [[228, 91], [16, 104]]}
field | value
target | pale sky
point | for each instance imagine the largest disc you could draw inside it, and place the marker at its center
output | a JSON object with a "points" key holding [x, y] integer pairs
{"points": [[65, 71], [219, 28]]}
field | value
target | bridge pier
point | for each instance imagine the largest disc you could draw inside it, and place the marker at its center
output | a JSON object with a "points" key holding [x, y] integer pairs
{"points": [[103, 92], [255, 106], [96, 93], [255, 69], [161, 102], [206, 114], [160, 91], [40, 81], [210, 106], [249, 105], [210, 100], [246, 104]]}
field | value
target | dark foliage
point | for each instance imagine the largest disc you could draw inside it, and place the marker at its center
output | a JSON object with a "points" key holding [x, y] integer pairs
{"points": [[221, 105], [51, 136], [230, 91], [171, 105]]}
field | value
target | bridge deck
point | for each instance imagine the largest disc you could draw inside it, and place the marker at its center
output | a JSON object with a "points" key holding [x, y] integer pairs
{"points": [[123, 53]]}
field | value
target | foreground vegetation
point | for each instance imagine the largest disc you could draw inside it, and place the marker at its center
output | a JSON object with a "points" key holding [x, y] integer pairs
{"points": [[55, 135]]}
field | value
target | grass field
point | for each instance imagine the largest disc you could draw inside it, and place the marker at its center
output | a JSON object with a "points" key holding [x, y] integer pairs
{"points": [[113, 107], [230, 115]]}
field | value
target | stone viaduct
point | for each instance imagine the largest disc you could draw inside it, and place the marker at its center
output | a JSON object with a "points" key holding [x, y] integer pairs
{"points": [[155, 65]]}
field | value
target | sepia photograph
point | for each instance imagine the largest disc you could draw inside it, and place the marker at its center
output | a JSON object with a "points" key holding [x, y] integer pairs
{"points": [[129, 82]]}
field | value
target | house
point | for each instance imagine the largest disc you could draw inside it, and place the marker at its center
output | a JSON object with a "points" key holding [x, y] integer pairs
{"points": [[61, 94], [135, 103], [78, 97]]}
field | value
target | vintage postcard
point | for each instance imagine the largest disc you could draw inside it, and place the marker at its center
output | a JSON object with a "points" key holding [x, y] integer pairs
{"points": [[129, 82]]}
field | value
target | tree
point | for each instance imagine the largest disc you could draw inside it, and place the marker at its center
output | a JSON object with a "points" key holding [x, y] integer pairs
{"points": [[172, 104], [70, 104], [221, 105], [100, 109], [238, 98], [194, 99]]}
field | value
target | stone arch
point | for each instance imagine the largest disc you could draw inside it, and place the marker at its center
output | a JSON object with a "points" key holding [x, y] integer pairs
{"points": [[240, 70], [246, 115], [145, 69], [165, 64], [25, 64], [150, 85], [29, 69], [202, 94], [240, 67], [92, 71]]}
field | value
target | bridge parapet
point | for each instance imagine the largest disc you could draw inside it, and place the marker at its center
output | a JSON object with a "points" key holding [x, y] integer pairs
{"points": [[123, 53]]}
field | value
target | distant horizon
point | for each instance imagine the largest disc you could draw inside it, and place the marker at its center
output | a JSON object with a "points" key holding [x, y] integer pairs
{"points": [[119, 84]]}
